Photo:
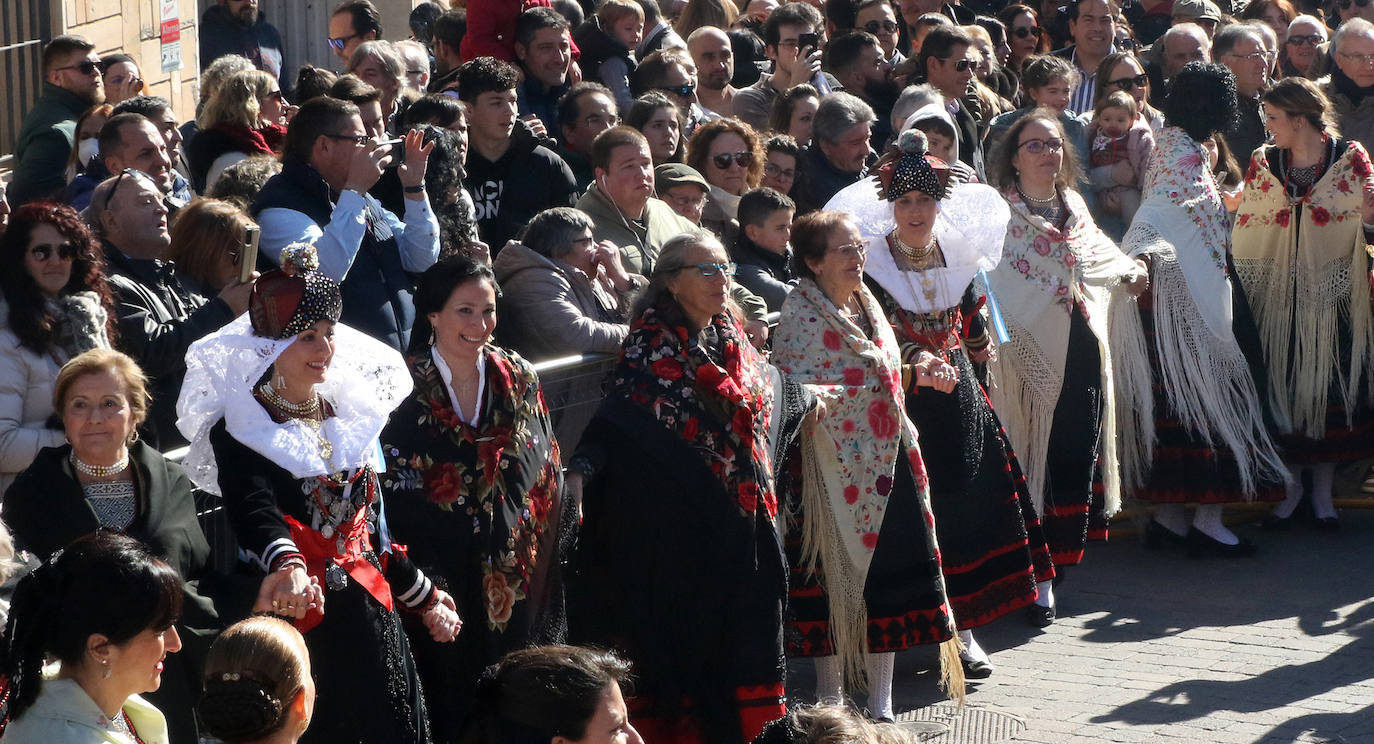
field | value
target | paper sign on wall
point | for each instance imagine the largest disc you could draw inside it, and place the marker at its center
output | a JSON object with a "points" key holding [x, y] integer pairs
{"points": [[171, 36]]}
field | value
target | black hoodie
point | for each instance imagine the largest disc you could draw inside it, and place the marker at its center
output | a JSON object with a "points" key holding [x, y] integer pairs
{"points": [[523, 182]]}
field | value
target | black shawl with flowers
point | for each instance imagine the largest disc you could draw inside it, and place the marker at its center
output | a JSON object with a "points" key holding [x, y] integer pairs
{"points": [[480, 510], [678, 563]]}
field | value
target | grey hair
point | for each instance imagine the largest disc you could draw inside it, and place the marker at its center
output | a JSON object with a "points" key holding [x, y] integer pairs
{"points": [[1353, 27], [672, 258], [1185, 29], [913, 99], [1227, 37], [384, 51], [838, 113], [551, 233]]}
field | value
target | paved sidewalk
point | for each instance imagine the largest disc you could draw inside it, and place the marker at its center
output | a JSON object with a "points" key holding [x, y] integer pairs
{"points": [[1154, 647]]}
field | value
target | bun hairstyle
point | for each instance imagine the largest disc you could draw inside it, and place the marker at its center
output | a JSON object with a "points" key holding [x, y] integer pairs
{"points": [[253, 673]]}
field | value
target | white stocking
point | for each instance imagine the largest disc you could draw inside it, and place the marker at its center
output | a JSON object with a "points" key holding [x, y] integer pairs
{"points": [[1285, 508], [1207, 520], [1174, 518], [1323, 476], [1044, 593], [880, 683], [829, 680], [972, 651]]}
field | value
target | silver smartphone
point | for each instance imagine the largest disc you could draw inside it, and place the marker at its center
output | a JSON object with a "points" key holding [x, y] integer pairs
{"points": [[248, 257]]}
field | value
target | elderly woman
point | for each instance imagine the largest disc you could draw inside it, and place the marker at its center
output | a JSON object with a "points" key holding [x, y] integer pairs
{"points": [[104, 608], [1065, 293], [1212, 446], [793, 112], [660, 121], [378, 64], [258, 685], [246, 117], [1300, 254], [56, 304], [727, 152], [473, 487], [1298, 55], [678, 564], [927, 240], [563, 292], [865, 580], [283, 407], [207, 244], [106, 478]]}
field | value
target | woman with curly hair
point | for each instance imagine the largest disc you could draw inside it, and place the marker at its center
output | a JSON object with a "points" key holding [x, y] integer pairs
{"points": [[1211, 445], [728, 153], [56, 305]]}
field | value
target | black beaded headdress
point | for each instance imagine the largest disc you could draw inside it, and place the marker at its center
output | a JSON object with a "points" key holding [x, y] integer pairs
{"points": [[910, 167], [289, 300]]}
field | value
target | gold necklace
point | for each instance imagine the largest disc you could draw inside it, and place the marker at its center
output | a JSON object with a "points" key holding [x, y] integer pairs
{"points": [[309, 408], [914, 255]]}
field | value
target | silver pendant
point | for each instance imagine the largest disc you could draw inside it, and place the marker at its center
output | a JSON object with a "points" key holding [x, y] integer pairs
{"points": [[335, 577]]}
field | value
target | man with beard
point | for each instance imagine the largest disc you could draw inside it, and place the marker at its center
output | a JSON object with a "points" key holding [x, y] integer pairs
{"points": [[715, 62], [71, 84], [586, 110], [449, 30], [857, 61], [238, 27]]}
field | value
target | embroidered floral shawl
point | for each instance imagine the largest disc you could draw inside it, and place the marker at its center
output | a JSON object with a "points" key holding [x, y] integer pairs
{"points": [[1184, 228], [1305, 268], [483, 498], [852, 453], [1044, 271], [721, 411]]}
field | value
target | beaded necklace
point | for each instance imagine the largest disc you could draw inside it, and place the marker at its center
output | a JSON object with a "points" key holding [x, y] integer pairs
{"points": [[101, 471]]}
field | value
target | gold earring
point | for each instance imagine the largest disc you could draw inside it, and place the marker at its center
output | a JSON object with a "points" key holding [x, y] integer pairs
{"points": [[133, 437]]}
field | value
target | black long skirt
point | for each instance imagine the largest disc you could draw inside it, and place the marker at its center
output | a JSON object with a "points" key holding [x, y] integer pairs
{"points": [[1073, 493]]}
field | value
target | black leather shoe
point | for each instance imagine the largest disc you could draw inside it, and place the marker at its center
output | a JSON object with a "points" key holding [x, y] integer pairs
{"points": [[1038, 616], [974, 669], [1157, 536], [1200, 545], [1326, 524], [1276, 523]]}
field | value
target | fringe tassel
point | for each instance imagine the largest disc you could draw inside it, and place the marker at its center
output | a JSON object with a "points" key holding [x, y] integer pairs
{"points": [[952, 680], [1134, 397], [1023, 397]]}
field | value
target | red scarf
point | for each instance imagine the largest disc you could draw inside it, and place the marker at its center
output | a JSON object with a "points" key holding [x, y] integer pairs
{"points": [[265, 140]]}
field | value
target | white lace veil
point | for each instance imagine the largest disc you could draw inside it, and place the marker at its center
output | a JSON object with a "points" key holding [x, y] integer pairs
{"points": [[366, 381], [971, 227]]}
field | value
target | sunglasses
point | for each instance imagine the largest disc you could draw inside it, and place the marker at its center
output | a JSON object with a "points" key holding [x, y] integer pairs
{"points": [[962, 65], [1025, 31], [1345, 4], [773, 170], [41, 253], [712, 269], [682, 91], [1300, 40], [742, 159], [873, 27], [1129, 84], [85, 67], [1042, 146], [109, 197], [337, 43], [357, 139]]}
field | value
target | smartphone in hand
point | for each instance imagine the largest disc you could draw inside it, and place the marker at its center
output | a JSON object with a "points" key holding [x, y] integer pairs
{"points": [[248, 256]]}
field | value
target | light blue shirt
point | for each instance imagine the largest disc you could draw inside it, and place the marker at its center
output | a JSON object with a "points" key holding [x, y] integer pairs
{"points": [[417, 235]]}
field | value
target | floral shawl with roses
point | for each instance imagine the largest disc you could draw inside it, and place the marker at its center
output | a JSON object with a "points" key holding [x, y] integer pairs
{"points": [[851, 454], [479, 506], [1047, 273], [1302, 260]]}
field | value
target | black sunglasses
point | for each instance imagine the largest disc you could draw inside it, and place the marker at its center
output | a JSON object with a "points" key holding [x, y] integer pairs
{"points": [[357, 139], [962, 65], [742, 159], [65, 251], [339, 42], [85, 67], [109, 196], [679, 90], [1025, 31], [1129, 84], [873, 27]]}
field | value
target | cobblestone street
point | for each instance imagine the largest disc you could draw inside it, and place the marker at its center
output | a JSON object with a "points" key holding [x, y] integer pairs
{"points": [[1154, 647]]}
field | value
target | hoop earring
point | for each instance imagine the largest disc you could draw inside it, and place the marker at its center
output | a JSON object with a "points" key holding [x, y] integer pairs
{"points": [[133, 437]]}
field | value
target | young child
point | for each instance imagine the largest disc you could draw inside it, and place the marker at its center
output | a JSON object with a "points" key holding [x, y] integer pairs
{"points": [[1048, 82], [763, 250], [1120, 135], [607, 41]]}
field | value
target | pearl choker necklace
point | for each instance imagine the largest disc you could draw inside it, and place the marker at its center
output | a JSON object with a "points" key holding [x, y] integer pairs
{"points": [[1048, 201], [101, 471], [915, 254], [308, 409]]}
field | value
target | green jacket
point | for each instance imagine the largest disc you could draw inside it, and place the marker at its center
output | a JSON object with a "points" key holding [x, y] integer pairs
{"points": [[640, 244], [45, 142]]}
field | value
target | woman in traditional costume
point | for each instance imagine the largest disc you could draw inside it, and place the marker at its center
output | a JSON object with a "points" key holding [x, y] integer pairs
{"points": [[1211, 445], [927, 239], [473, 488], [1300, 242], [862, 545], [678, 563], [283, 407], [1065, 292]]}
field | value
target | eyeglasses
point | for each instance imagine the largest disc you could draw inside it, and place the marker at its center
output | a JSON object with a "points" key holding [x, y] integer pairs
{"points": [[1251, 57], [1025, 31], [357, 139], [1129, 84], [873, 27], [109, 196], [41, 253], [337, 43], [850, 250], [712, 269], [773, 170], [1296, 39], [601, 122], [1040, 146], [742, 159], [416, 72], [1364, 59], [963, 65], [682, 91], [1345, 4], [85, 67]]}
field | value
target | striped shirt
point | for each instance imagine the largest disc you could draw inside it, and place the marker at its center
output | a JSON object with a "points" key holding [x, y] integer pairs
{"points": [[1083, 96]]}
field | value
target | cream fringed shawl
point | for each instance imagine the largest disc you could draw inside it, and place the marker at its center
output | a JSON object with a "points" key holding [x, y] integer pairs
{"points": [[1183, 228], [1043, 271], [851, 454], [1304, 267]]}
